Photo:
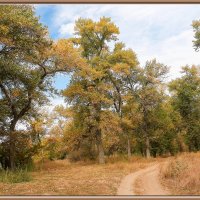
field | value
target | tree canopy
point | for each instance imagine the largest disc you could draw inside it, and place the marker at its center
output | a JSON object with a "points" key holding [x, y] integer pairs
{"points": [[113, 105]]}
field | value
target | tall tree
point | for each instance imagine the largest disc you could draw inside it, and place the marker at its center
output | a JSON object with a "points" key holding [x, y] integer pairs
{"points": [[28, 60], [150, 94], [89, 85], [123, 63]]}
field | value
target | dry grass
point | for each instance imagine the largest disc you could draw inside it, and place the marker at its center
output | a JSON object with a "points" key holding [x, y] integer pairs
{"points": [[65, 178], [18, 176], [182, 174]]}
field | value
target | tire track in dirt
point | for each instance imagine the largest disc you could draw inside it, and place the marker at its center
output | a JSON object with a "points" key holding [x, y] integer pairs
{"points": [[142, 182]]}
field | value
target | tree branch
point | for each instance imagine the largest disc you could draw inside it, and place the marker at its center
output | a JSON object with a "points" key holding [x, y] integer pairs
{"points": [[27, 106], [8, 98]]}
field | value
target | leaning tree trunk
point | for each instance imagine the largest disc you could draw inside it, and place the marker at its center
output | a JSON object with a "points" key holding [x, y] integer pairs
{"points": [[100, 147]]}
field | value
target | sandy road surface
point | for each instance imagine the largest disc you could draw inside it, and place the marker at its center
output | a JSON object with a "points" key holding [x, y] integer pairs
{"points": [[142, 182]]}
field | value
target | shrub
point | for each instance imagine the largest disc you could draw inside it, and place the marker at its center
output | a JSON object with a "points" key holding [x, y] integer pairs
{"points": [[181, 175], [175, 169]]}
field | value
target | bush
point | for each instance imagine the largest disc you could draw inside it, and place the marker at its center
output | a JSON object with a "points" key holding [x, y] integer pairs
{"points": [[116, 158], [25, 149], [83, 154], [16, 176], [181, 175], [175, 169]]}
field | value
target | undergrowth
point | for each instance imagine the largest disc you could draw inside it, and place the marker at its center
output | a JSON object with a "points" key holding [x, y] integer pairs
{"points": [[17, 176]]}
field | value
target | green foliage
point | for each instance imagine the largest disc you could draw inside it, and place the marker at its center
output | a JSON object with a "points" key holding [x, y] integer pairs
{"points": [[28, 60], [150, 96], [164, 135], [196, 28], [25, 148], [54, 149], [186, 100]]}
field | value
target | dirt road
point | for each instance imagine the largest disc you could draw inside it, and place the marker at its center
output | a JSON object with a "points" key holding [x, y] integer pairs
{"points": [[142, 182]]}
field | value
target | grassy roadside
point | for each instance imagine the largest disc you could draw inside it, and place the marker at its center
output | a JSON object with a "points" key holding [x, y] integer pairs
{"points": [[17, 176], [182, 174], [65, 178]]}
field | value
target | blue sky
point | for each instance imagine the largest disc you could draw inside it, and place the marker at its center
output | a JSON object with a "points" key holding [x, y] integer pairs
{"points": [[160, 31]]}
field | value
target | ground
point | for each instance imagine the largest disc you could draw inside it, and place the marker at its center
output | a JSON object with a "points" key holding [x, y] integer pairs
{"points": [[139, 176], [64, 178], [143, 182]]}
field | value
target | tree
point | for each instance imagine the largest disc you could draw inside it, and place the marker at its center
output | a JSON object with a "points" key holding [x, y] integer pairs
{"points": [[88, 91], [196, 28], [28, 60], [164, 127], [131, 121], [186, 100], [123, 63], [150, 94]]}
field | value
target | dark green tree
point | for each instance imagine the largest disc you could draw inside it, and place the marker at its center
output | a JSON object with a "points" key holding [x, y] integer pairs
{"points": [[186, 100]]}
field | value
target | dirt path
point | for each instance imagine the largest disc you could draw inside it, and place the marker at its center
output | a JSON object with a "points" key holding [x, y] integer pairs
{"points": [[143, 182]]}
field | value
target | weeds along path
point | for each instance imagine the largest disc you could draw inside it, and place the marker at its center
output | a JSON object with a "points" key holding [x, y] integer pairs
{"points": [[142, 182]]}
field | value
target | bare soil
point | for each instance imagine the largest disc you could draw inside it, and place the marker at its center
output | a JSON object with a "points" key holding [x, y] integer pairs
{"points": [[143, 182]]}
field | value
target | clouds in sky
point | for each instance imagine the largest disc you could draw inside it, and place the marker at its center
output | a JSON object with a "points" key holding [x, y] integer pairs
{"points": [[160, 31]]}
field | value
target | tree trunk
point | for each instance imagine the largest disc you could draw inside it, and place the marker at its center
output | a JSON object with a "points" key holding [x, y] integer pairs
{"points": [[129, 148], [12, 153], [147, 142], [12, 145], [148, 155], [100, 148]]}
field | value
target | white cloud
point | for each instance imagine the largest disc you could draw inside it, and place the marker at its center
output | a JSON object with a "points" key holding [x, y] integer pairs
{"points": [[57, 101], [54, 101], [161, 31], [67, 29], [156, 31], [175, 51]]}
